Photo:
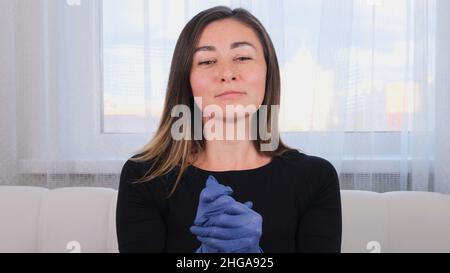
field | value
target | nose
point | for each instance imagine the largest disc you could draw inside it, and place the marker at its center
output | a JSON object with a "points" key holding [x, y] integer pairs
{"points": [[227, 74], [227, 78]]}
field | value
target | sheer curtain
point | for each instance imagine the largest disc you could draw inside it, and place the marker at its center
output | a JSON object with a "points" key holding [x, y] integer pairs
{"points": [[368, 92], [83, 84]]}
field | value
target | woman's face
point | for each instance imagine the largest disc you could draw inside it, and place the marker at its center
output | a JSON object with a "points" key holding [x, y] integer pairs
{"points": [[228, 58]]}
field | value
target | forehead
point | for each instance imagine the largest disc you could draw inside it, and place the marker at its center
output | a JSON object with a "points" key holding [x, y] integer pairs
{"points": [[227, 31]]}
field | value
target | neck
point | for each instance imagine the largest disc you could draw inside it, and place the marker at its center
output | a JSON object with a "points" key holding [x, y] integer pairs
{"points": [[231, 154]]}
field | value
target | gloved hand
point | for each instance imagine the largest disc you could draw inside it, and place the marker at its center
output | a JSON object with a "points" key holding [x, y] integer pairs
{"points": [[234, 227], [214, 198]]}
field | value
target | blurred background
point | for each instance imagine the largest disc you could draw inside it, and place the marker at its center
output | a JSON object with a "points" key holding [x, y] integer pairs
{"points": [[365, 84]]}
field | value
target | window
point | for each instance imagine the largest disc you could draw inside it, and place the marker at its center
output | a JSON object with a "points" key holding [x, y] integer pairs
{"points": [[138, 41], [346, 65]]}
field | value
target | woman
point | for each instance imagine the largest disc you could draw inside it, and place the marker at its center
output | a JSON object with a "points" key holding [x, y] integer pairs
{"points": [[214, 193]]}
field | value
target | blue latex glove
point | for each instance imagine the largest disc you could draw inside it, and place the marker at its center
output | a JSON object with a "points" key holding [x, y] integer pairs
{"points": [[214, 199], [237, 228]]}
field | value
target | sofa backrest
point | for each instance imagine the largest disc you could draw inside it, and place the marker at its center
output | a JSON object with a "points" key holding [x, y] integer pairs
{"points": [[61, 220], [401, 221], [35, 219]]}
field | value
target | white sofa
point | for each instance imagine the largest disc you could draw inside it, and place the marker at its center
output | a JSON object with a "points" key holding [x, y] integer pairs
{"points": [[79, 219]]}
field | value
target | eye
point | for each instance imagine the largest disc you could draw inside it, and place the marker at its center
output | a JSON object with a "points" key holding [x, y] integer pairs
{"points": [[243, 58], [206, 63]]}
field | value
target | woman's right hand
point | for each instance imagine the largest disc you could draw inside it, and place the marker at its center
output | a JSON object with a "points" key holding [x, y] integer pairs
{"points": [[223, 224], [213, 200], [238, 229]]}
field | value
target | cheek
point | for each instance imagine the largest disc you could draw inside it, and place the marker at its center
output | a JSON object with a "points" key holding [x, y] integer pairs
{"points": [[257, 82], [199, 85]]}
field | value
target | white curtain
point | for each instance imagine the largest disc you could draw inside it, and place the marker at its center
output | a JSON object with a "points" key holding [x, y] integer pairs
{"points": [[364, 85]]}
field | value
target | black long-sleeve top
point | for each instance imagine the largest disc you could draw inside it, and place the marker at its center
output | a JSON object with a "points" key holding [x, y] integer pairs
{"points": [[296, 194]]}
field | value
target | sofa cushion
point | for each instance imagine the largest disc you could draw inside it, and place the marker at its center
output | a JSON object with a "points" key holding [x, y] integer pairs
{"points": [[19, 214], [82, 215], [418, 222]]}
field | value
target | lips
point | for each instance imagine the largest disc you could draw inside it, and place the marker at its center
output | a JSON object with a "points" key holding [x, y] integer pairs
{"points": [[230, 92]]}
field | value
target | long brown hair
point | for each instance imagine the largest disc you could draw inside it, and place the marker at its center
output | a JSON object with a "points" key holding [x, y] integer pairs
{"points": [[166, 153]]}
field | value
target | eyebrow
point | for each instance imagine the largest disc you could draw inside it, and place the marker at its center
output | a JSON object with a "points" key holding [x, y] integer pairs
{"points": [[232, 46]]}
